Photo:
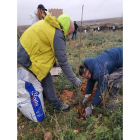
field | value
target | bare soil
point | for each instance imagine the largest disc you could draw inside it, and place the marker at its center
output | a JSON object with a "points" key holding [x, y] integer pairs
{"points": [[67, 97]]}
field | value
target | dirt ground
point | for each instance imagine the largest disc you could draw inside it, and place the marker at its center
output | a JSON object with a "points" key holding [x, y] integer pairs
{"points": [[67, 97]]}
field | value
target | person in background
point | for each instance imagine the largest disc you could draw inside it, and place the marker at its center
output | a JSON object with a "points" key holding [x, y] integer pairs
{"points": [[39, 13], [39, 47], [75, 31], [107, 70], [114, 28]]}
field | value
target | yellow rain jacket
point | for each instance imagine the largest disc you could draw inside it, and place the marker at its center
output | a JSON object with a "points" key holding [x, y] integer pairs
{"points": [[37, 41]]}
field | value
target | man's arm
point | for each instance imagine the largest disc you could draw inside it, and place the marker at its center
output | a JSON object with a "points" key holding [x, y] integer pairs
{"points": [[97, 97], [89, 89], [101, 88], [90, 85], [60, 53]]}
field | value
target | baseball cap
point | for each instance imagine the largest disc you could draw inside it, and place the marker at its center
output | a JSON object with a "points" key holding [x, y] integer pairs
{"points": [[41, 7]]}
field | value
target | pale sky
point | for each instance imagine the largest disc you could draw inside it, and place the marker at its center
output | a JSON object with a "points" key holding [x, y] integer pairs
{"points": [[93, 9]]}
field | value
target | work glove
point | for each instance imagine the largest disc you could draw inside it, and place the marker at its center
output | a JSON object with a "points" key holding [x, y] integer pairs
{"points": [[77, 82], [84, 103], [88, 111]]}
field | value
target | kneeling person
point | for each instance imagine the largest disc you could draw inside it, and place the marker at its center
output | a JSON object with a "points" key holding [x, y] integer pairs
{"points": [[107, 70]]}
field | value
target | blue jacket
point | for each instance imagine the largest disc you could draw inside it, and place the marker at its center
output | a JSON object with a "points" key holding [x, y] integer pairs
{"points": [[100, 67]]}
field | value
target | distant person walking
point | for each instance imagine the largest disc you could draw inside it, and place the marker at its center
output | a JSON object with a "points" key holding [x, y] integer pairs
{"points": [[75, 31], [114, 28], [98, 29], [39, 13]]}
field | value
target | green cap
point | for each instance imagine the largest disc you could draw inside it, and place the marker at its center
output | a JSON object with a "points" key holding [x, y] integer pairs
{"points": [[64, 21]]}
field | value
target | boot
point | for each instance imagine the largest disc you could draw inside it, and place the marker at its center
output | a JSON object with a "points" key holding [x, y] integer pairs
{"points": [[63, 107]]}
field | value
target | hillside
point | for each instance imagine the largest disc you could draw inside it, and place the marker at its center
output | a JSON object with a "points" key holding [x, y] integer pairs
{"points": [[117, 21]]}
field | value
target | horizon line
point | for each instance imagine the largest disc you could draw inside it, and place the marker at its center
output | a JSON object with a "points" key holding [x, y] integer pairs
{"points": [[83, 20]]}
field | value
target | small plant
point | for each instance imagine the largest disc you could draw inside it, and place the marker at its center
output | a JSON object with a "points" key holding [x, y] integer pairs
{"points": [[89, 123], [76, 55], [88, 43], [70, 119], [83, 36], [119, 40], [68, 135]]}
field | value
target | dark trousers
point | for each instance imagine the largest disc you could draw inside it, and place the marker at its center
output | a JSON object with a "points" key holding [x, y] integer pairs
{"points": [[74, 34], [48, 90]]}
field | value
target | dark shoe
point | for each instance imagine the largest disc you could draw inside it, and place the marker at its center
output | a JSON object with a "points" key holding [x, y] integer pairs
{"points": [[63, 107]]}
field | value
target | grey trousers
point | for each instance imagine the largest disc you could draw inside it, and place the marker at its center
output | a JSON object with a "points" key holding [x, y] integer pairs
{"points": [[113, 86], [48, 90]]}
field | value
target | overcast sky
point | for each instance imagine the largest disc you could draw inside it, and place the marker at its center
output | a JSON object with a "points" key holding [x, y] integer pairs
{"points": [[93, 9]]}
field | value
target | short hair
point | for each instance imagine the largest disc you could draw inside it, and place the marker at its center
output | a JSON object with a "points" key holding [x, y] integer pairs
{"points": [[82, 69]]}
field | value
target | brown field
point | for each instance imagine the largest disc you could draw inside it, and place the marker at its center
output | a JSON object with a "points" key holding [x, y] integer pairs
{"points": [[98, 22], [116, 21]]}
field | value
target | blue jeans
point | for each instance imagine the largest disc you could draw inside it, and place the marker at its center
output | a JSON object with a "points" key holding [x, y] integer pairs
{"points": [[74, 33]]}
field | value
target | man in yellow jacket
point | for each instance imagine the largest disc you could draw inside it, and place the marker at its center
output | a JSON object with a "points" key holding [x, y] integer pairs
{"points": [[39, 47]]}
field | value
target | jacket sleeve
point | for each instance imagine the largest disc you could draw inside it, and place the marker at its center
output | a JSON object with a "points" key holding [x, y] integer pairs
{"points": [[60, 53], [97, 97], [22, 56], [90, 85], [101, 88]]}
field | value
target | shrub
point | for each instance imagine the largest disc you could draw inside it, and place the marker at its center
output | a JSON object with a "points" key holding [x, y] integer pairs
{"points": [[88, 43], [68, 135], [70, 119], [119, 40], [76, 55], [83, 37]]}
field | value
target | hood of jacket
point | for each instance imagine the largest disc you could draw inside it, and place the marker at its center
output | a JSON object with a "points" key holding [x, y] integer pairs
{"points": [[89, 62], [52, 20], [93, 67]]}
